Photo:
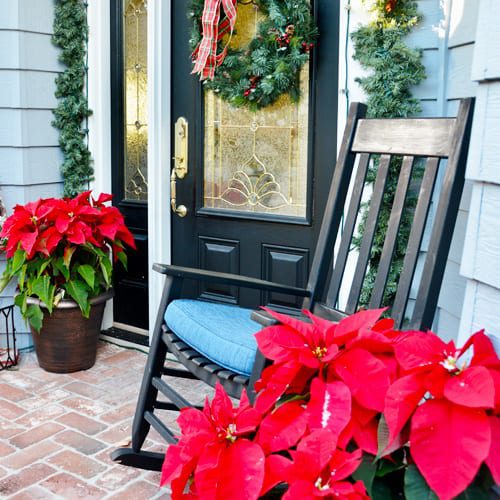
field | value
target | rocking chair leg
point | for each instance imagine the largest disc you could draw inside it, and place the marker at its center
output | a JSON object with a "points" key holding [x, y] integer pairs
{"points": [[148, 393], [260, 363]]}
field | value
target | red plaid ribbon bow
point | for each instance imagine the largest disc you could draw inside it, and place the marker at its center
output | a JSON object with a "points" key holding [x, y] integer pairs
{"points": [[205, 56]]}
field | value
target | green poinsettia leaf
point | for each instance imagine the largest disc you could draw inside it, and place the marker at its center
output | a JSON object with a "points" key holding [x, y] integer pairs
{"points": [[122, 257], [42, 288], [107, 270], [416, 488], [20, 301], [4, 281], [475, 492], [44, 266], [18, 260], [366, 472], [61, 267], [68, 254], [98, 252], [34, 315], [78, 290], [87, 272], [387, 467], [22, 277]]}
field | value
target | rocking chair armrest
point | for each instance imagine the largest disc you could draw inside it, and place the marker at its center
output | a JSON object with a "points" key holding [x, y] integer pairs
{"points": [[265, 319], [228, 279]]}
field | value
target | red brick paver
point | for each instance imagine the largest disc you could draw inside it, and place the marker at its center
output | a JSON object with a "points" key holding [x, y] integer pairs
{"points": [[9, 391], [10, 411], [36, 434], [24, 458], [70, 487], [15, 482], [72, 461], [81, 423], [34, 493]]}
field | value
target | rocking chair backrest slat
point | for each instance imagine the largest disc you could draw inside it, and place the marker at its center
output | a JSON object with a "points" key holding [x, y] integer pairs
{"points": [[444, 222], [323, 256], [349, 227], [415, 239], [392, 232], [368, 233], [378, 143]]}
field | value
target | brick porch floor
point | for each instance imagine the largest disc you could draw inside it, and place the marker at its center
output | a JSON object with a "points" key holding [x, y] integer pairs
{"points": [[57, 431]]}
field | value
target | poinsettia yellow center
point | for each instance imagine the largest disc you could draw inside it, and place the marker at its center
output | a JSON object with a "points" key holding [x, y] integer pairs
{"points": [[71, 215], [319, 352], [320, 486], [449, 363], [34, 219], [231, 429]]}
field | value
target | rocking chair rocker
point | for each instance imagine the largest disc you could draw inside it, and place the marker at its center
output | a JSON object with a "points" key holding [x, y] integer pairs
{"points": [[215, 342]]}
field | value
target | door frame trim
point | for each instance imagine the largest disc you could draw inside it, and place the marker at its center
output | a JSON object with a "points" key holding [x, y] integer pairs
{"points": [[99, 97], [159, 148]]}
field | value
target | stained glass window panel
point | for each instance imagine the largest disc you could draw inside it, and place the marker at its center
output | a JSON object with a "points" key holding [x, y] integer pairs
{"points": [[256, 162], [135, 84]]}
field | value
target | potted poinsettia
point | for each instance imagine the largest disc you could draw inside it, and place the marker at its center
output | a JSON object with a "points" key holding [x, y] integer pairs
{"points": [[349, 411], [61, 251]]}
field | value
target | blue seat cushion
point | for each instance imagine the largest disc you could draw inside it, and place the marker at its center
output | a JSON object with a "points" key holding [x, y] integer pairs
{"points": [[222, 333]]}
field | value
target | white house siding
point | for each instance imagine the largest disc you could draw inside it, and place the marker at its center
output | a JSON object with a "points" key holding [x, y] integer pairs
{"points": [[29, 154], [481, 258], [446, 35]]}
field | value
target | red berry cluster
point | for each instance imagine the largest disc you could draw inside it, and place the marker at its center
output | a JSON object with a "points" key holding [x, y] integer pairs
{"points": [[306, 47], [254, 80], [284, 39]]}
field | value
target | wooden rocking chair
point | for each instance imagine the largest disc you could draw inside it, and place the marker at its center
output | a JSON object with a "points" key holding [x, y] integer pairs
{"points": [[215, 341]]}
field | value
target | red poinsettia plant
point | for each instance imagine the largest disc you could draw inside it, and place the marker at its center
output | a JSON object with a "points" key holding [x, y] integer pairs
{"points": [[348, 410], [62, 248]]}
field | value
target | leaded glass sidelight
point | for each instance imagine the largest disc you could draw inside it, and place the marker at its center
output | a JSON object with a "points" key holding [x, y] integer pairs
{"points": [[136, 112], [256, 162]]}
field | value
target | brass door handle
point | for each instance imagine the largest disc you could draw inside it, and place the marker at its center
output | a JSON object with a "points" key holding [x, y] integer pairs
{"points": [[180, 164], [181, 147], [180, 210]]}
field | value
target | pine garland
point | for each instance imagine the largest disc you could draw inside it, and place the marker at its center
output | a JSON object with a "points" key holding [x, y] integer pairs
{"points": [[394, 69], [71, 35], [257, 75]]}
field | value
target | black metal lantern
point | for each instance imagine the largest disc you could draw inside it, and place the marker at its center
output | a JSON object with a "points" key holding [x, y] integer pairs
{"points": [[9, 355]]}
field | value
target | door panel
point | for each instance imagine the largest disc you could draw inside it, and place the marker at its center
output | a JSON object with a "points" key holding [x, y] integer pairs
{"points": [[257, 182], [221, 255], [286, 265]]}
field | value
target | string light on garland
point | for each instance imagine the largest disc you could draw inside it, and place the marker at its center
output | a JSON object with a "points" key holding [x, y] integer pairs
{"points": [[256, 75]]}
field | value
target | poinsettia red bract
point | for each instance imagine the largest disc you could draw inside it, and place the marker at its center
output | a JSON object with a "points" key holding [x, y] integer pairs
{"points": [[59, 247], [213, 455]]}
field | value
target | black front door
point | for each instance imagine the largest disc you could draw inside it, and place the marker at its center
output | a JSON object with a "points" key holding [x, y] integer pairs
{"points": [[257, 183], [129, 126]]}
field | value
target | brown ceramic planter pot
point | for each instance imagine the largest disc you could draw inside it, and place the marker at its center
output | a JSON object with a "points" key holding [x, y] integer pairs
{"points": [[67, 341]]}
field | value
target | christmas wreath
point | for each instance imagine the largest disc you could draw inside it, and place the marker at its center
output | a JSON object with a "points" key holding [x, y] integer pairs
{"points": [[255, 76]]}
